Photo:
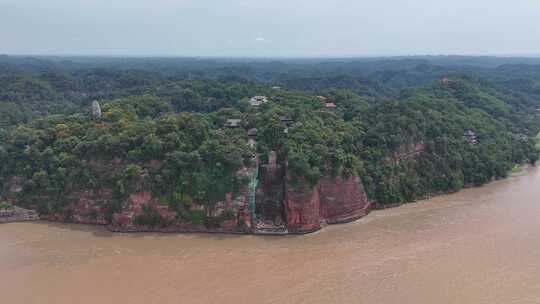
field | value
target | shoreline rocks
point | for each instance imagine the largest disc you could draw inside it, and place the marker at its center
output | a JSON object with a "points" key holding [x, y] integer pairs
{"points": [[17, 214]]}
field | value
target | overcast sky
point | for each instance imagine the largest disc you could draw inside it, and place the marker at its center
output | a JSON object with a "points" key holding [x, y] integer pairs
{"points": [[269, 28]]}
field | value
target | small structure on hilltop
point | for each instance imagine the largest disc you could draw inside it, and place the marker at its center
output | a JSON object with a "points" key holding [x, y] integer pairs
{"points": [[287, 120], [327, 103], [233, 123], [447, 82], [323, 99], [470, 136], [330, 106], [252, 133], [252, 137], [96, 109], [257, 101]]}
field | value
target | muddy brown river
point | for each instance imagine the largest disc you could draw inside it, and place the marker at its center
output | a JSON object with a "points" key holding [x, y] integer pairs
{"points": [[480, 245]]}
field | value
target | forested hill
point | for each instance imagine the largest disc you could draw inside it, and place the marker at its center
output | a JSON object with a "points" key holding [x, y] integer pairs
{"points": [[36, 86], [407, 128]]}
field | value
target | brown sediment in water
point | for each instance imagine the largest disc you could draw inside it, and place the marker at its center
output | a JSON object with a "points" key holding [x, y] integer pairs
{"points": [[480, 245]]}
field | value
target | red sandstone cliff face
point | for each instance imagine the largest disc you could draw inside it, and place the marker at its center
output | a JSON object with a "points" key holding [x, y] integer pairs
{"points": [[124, 221], [332, 200], [238, 221], [343, 199], [306, 208], [89, 207], [269, 198], [302, 208], [406, 151]]}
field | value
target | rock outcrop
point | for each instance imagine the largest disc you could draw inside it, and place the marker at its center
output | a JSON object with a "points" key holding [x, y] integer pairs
{"points": [[407, 151], [270, 216], [268, 201], [303, 207], [333, 200], [343, 199], [231, 215], [17, 214]]}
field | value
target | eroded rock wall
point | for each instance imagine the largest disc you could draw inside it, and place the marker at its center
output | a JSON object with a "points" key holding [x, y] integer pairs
{"points": [[303, 207], [343, 199], [269, 197], [406, 151], [333, 200], [169, 221], [92, 206]]}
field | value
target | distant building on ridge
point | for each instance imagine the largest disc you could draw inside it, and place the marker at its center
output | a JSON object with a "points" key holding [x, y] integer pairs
{"points": [[257, 101], [327, 103], [470, 136], [330, 106], [233, 123]]}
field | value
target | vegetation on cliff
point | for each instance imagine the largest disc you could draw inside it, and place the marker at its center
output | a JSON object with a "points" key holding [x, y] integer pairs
{"points": [[4, 206], [166, 134]]}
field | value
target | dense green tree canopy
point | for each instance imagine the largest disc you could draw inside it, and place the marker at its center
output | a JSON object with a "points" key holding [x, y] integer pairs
{"points": [[167, 132]]}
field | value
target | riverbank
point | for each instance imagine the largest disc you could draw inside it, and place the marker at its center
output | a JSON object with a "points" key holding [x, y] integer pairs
{"points": [[13, 214], [355, 216], [477, 246]]}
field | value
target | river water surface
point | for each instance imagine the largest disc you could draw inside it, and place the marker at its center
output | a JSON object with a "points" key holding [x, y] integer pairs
{"points": [[480, 245]]}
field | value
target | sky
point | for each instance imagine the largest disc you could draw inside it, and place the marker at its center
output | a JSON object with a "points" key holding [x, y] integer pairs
{"points": [[269, 28]]}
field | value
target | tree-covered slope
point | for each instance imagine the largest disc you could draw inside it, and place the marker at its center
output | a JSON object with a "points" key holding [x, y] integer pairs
{"points": [[406, 134], [198, 157]]}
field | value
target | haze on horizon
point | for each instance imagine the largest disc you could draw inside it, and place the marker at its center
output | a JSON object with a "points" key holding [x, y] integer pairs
{"points": [[269, 28]]}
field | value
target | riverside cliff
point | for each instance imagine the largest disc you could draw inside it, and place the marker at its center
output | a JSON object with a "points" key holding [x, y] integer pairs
{"points": [[211, 158], [268, 199], [276, 205]]}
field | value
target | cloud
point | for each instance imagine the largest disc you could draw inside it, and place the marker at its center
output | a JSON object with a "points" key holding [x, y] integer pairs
{"points": [[296, 27], [262, 40]]}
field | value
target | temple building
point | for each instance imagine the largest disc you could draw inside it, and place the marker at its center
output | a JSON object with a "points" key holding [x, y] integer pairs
{"points": [[470, 136], [257, 101], [233, 123], [330, 106]]}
